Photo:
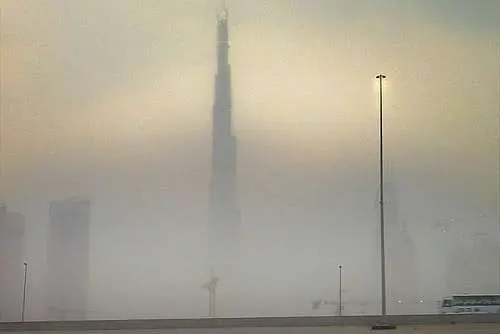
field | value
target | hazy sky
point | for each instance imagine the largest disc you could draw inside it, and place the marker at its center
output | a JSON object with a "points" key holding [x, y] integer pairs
{"points": [[111, 99]]}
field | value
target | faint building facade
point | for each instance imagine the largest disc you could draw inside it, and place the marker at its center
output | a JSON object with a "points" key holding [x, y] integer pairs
{"points": [[68, 259], [403, 295], [12, 232], [473, 267]]}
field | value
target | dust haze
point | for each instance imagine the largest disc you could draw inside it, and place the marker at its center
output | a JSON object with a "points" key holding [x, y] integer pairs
{"points": [[111, 102]]}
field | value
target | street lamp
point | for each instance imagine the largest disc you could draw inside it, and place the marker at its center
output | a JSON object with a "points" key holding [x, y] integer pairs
{"points": [[381, 77], [340, 290], [24, 291]]}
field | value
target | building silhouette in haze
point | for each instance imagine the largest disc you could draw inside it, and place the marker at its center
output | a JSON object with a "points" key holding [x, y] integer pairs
{"points": [[402, 274], [12, 232], [68, 260], [224, 213], [473, 265]]}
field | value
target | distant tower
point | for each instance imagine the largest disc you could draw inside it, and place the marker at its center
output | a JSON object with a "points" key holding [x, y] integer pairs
{"points": [[224, 212], [68, 259]]}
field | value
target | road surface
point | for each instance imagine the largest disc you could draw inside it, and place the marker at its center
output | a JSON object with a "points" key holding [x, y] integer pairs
{"points": [[436, 329]]}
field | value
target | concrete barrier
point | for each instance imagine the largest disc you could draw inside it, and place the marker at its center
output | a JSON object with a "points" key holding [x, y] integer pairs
{"points": [[132, 324]]}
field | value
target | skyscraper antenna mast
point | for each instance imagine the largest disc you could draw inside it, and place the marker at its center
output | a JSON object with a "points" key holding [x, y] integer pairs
{"points": [[224, 9]]}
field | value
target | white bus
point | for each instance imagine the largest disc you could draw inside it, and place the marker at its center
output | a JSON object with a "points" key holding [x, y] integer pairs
{"points": [[471, 303]]}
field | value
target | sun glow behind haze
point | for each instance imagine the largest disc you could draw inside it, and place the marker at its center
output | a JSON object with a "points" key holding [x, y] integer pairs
{"points": [[294, 84]]}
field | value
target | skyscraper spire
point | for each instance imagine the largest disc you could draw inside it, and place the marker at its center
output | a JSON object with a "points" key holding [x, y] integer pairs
{"points": [[223, 11]]}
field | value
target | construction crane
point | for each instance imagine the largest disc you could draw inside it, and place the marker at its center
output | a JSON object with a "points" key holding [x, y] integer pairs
{"points": [[211, 286]]}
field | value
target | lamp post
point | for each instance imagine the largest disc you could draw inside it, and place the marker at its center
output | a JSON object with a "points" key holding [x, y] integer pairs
{"points": [[24, 291], [381, 77], [340, 290]]}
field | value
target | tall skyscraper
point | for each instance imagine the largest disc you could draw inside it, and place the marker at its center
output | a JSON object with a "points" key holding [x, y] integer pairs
{"points": [[224, 212], [68, 259], [12, 227]]}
